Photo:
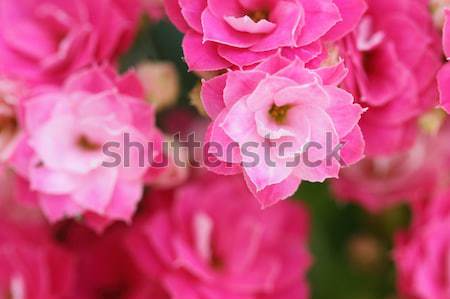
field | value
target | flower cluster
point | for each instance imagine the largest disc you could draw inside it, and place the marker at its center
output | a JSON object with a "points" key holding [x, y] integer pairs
{"points": [[95, 204]]}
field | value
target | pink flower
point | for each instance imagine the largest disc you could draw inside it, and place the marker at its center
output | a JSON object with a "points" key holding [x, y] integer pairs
{"points": [[394, 82], [379, 182], [279, 124], [32, 265], [422, 255], [104, 267], [61, 152], [194, 250], [51, 38], [220, 34]]}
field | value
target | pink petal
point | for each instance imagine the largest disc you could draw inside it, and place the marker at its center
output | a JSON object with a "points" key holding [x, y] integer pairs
{"points": [[443, 79], [212, 95], [173, 11], [287, 16], [351, 12], [320, 17], [273, 194], [245, 24], [240, 84], [202, 56], [354, 146], [192, 11], [217, 30]]}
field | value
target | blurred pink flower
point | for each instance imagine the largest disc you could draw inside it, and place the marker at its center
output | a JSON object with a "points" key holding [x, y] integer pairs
{"points": [[61, 151], [52, 38], [33, 266], [220, 34], [422, 254], [215, 242], [396, 83], [291, 107], [380, 182]]}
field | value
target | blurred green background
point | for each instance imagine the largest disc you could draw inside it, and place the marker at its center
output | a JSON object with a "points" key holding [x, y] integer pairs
{"points": [[351, 247]]}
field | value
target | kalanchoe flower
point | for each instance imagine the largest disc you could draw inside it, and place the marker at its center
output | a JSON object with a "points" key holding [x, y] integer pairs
{"points": [[51, 38], [380, 182], [193, 249], [32, 265], [220, 34], [422, 254], [394, 82], [61, 151], [280, 123]]}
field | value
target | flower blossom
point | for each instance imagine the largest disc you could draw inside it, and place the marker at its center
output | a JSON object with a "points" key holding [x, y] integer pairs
{"points": [[61, 153], [281, 123], [220, 34], [191, 248]]}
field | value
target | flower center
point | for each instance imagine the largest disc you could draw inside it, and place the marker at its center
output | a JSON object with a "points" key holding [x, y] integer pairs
{"points": [[278, 113], [8, 124], [86, 144], [258, 15]]}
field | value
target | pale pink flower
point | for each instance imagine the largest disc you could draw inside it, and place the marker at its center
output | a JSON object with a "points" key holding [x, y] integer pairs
{"points": [[194, 250], [300, 112], [396, 83], [52, 38], [220, 34], [61, 152], [422, 254]]}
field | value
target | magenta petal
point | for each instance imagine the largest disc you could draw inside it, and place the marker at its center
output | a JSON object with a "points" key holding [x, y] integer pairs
{"points": [[287, 17], [354, 146], [212, 95], [202, 56], [192, 11], [446, 33], [240, 84], [221, 8], [443, 79], [217, 30], [273, 64], [241, 57], [274, 193], [320, 17], [351, 12], [173, 11]]}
